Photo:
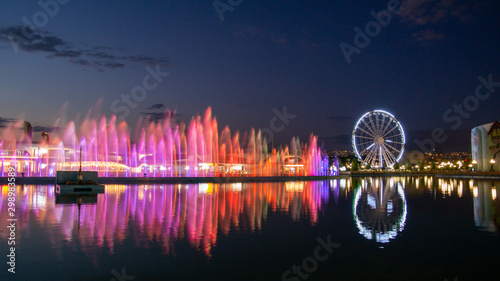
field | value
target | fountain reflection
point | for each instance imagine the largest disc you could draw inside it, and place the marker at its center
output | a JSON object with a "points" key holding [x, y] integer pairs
{"points": [[379, 208], [161, 214]]}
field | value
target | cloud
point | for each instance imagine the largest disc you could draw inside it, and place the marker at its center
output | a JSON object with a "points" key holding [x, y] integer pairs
{"points": [[4, 122], [282, 40], [421, 12], [81, 62], [68, 54], [433, 15], [97, 48], [109, 64], [154, 116], [159, 116], [427, 35], [100, 55], [156, 106], [146, 60], [425, 12], [97, 64], [46, 129], [253, 34], [24, 39]]}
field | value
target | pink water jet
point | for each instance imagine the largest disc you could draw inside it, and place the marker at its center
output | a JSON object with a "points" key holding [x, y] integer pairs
{"points": [[157, 149]]}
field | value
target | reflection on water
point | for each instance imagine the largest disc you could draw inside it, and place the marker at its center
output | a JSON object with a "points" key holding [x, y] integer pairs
{"points": [[379, 208], [201, 213], [486, 212], [164, 213]]}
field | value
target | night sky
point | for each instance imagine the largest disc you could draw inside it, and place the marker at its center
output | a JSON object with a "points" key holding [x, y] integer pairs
{"points": [[255, 57]]}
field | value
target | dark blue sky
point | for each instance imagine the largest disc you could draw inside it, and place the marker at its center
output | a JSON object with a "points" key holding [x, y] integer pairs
{"points": [[263, 55]]}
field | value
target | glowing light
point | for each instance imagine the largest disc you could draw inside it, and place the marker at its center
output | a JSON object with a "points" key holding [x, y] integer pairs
{"points": [[237, 167], [294, 186], [494, 193], [205, 166], [237, 187], [203, 188], [475, 192], [389, 233]]}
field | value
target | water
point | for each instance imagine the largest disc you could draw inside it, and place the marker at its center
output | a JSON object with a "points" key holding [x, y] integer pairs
{"points": [[399, 228]]}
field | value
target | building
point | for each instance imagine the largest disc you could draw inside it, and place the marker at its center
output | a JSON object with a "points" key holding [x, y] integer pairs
{"points": [[485, 147]]}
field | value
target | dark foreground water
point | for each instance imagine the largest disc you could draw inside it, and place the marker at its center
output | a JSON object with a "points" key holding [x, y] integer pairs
{"points": [[399, 228]]}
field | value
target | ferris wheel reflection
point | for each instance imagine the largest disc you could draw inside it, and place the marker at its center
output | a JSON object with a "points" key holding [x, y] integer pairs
{"points": [[379, 208]]}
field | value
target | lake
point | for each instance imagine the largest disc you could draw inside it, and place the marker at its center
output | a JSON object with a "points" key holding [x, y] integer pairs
{"points": [[399, 228]]}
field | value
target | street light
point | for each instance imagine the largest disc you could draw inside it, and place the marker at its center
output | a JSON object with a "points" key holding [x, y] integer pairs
{"points": [[492, 163], [474, 162]]}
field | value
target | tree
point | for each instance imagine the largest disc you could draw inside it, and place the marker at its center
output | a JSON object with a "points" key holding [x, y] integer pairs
{"points": [[396, 166], [355, 165], [433, 165], [421, 166], [408, 166], [368, 166]]}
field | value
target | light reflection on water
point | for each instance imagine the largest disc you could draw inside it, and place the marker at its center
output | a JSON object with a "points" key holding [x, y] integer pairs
{"points": [[199, 214], [165, 213], [380, 209]]}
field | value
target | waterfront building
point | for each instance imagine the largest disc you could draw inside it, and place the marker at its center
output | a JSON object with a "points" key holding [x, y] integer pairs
{"points": [[485, 147]]}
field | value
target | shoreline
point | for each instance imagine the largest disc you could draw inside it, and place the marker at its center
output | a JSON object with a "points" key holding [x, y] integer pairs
{"points": [[178, 180], [438, 174]]}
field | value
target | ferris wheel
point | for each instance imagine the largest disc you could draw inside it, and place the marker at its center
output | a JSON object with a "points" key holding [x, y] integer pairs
{"points": [[378, 139]]}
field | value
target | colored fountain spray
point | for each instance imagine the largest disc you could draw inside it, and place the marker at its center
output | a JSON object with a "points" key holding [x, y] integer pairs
{"points": [[158, 149]]}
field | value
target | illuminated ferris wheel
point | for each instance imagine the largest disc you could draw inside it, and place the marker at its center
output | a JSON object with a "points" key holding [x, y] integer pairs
{"points": [[378, 139]]}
